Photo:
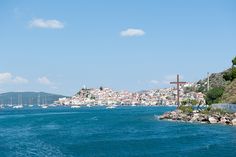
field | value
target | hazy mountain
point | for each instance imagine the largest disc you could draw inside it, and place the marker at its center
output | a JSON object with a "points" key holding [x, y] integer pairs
{"points": [[28, 98]]}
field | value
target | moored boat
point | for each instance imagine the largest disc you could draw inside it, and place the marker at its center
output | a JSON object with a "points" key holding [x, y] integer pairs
{"points": [[74, 106]]}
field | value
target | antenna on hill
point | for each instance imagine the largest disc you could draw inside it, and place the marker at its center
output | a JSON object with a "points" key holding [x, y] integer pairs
{"points": [[208, 81]]}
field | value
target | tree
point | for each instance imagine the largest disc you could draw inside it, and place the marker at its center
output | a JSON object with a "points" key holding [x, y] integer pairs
{"points": [[184, 102], [186, 109], [194, 102], [234, 61], [233, 73], [214, 95], [227, 76], [201, 88], [189, 89]]}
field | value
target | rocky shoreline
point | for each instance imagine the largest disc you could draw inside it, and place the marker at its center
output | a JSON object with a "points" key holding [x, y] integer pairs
{"points": [[199, 117]]}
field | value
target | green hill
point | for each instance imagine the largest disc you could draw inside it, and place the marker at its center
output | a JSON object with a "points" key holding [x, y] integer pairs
{"points": [[222, 86], [28, 98], [216, 80], [229, 95]]}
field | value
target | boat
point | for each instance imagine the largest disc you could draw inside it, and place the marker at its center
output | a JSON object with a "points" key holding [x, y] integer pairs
{"points": [[53, 105], [111, 107], [18, 106], [74, 106], [44, 106]]}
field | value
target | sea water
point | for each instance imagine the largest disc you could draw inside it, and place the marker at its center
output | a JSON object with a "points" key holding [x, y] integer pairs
{"points": [[101, 132]]}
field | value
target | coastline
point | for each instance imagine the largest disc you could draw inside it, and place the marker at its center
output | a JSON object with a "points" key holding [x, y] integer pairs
{"points": [[196, 116]]}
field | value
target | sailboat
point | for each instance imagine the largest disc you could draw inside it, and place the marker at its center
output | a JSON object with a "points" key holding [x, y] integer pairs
{"points": [[44, 106], [20, 105]]}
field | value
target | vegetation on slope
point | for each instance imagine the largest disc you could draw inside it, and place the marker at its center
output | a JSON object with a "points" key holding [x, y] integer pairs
{"points": [[222, 86], [229, 95]]}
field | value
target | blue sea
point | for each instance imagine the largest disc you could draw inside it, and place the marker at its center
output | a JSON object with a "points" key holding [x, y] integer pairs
{"points": [[101, 132]]}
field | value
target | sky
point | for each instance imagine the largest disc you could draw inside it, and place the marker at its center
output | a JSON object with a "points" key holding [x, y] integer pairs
{"points": [[60, 46]]}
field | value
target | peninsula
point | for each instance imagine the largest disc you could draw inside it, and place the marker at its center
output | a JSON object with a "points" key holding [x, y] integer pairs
{"points": [[109, 97]]}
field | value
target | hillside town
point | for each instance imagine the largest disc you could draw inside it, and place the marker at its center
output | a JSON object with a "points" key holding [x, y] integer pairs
{"points": [[109, 97]]}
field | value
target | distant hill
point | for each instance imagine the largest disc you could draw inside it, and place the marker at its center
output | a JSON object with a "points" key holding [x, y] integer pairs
{"points": [[28, 98]]}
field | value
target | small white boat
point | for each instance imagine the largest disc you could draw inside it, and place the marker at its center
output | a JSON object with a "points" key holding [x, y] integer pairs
{"points": [[111, 107], [44, 106], [18, 106], [75, 106], [53, 105]]}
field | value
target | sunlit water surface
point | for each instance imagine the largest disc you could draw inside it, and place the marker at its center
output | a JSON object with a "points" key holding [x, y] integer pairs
{"points": [[100, 132]]}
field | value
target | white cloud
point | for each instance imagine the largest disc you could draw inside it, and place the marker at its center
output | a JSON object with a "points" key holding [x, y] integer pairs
{"points": [[154, 82], [166, 80], [132, 32], [171, 78], [41, 23], [19, 79], [44, 80], [5, 77], [9, 78]]}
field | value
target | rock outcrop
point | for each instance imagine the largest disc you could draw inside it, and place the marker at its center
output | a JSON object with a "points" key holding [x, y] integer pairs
{"points": [[234, 121], [212, 120], [198, 117]]}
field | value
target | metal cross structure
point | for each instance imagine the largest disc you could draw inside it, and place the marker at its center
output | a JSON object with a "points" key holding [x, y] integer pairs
{"points": [[178, 83]]}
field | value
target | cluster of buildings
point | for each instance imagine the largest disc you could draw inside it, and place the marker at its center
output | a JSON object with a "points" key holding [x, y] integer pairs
{"points": [[109, 97]]}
